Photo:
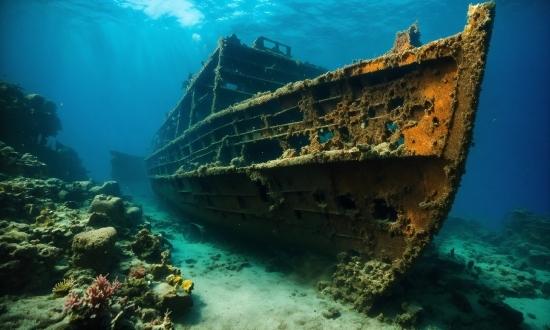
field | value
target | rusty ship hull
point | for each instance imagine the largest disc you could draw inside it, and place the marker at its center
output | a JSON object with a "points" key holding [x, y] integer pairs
{"points": [[365, 159]]}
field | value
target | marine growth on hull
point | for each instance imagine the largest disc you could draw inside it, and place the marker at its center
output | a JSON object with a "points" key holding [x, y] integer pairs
{"points": [[364, 160]]}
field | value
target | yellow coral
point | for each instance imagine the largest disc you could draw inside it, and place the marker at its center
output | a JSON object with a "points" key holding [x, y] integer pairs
{"points": [[46, 211], [62, 288], [187, 286], [46, 217], [173, 279]]}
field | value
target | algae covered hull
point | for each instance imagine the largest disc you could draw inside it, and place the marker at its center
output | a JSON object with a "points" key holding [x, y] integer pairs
{"points": [[365, 159]]}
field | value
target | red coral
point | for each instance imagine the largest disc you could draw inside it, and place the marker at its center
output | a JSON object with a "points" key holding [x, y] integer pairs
{"points": [[96, 297], [138, 272]]}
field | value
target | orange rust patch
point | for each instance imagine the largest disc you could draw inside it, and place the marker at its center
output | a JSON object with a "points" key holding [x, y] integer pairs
{"points": [[428, 137]]}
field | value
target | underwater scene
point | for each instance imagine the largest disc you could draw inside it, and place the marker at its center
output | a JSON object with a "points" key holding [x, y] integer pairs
{"points": [[271, 164]]}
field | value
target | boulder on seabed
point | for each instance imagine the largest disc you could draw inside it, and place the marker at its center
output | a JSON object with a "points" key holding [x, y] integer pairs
{"points": [[112, 206], [94, 249]]}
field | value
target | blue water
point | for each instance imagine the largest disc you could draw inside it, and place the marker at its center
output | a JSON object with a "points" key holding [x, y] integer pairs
{"points": [[115, 68]]}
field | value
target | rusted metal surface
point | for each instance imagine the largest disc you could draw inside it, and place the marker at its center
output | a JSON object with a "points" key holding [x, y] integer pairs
{"points": [[364, 160], [233, 73]]}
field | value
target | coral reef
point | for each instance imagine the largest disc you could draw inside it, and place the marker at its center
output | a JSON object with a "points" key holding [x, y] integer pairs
{"points": [[26, 121], [177, 280], [93, 310], [97, 297], [13, 163], [25, 264], [58, 234], [162, 270], [42, 218], [174, 279]]}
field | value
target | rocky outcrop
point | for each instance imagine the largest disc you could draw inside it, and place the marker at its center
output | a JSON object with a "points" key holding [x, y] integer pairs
{"points": [[14, 163], [94, 249]]}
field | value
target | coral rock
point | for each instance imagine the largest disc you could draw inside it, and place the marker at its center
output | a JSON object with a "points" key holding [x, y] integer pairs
{"points": [[134, 214], [99, 220], [94, 249], [147, 246], [112, 206], [13, 163], [177, 301], [24, 265]]}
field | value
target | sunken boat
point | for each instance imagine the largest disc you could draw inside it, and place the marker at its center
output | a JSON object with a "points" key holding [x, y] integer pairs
{"points": [[362, 162]]}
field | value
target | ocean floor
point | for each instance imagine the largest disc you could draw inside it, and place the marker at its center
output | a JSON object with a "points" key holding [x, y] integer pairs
{"points": [[262, 295], [468, 278], [237, 286]]}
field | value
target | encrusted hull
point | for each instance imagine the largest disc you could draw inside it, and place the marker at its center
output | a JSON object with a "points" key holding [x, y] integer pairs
{"points": [[366, 159]]}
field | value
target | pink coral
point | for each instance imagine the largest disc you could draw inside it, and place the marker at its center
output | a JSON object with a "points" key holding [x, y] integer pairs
{"points": [[97, 296], [73, 301]]}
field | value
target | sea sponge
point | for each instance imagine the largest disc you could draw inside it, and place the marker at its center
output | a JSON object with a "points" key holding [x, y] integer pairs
{"points": [[62, 288], [187, 286]]}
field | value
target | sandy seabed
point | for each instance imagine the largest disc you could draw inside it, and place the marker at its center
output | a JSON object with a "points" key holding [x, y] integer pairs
{"points": [[258, 297], [243, 284]]}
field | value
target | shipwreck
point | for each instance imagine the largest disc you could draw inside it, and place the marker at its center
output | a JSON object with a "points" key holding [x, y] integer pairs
{"points": [[362, 162]]}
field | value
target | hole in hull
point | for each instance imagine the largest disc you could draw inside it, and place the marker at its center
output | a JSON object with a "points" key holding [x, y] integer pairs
{"points": [[382, 211], [345, 202]]}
